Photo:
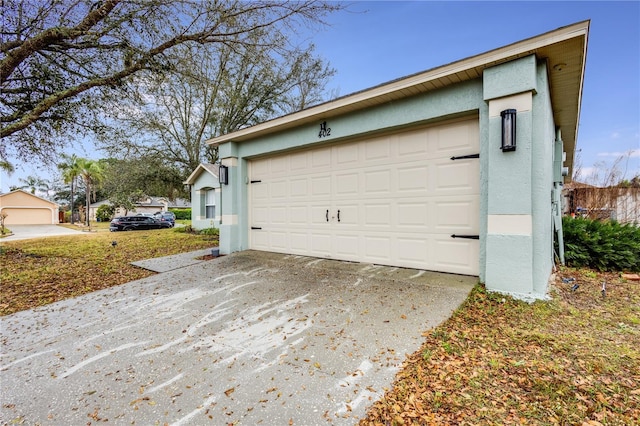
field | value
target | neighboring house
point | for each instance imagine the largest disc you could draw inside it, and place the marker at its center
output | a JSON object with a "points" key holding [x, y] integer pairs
{"points": [[205, 196], [23, 208], [614, 202], [412, 173], [146, 205]]}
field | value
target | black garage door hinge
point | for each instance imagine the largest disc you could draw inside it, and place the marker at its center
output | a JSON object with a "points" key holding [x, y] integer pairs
{"points": [[462, 157], [470, 237]]}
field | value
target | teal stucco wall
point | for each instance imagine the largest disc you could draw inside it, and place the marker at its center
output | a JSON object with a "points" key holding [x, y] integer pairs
{"points": [[520, 183], [204, 182], [516, 225]]}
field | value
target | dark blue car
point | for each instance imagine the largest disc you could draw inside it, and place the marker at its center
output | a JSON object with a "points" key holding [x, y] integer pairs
{"points": [[169, 217], [133, 223]]}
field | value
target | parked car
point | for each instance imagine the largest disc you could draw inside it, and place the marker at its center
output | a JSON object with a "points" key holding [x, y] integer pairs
{"points": [[166, 217], [133, 223]]}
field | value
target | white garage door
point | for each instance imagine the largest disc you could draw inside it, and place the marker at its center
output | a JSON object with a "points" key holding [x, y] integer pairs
{"points": [[27, 216], [392, 200]]}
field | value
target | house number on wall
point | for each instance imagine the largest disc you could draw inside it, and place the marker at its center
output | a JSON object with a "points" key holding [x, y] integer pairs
{"points": [[324, 130]]}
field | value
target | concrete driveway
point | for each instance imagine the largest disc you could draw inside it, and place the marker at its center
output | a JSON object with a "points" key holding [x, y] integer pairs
{"points": [[25, 232], [250, 338]]}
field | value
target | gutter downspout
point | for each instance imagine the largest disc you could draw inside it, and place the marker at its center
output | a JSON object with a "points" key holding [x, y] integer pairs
{"points": [[556, 202]]}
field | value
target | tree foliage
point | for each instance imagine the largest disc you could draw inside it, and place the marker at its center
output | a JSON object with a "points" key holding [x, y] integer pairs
{"points": [[128, 181], [62, 61], [92, 174], [213, 92]]}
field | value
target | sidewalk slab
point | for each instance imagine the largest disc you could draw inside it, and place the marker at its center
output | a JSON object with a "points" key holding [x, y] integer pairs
{"points": [[176, 261]]}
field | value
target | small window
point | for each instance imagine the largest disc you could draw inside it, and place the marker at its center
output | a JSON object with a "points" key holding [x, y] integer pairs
{"points": [[210, 204]]}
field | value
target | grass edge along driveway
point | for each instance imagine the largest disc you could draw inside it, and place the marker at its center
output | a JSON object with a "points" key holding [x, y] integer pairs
{"points": [[41, 271]]}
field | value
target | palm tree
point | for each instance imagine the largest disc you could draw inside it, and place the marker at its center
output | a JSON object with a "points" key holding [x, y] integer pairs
{"points": [[32, 183], [70, 171], [92, 174], [7, 166]]}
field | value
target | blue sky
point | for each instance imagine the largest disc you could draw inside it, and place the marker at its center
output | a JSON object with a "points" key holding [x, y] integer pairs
{"points": [[379, 41], [373, 42]]}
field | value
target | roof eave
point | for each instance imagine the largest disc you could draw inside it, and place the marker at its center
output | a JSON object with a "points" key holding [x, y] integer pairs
{"points": [[566, 105]]}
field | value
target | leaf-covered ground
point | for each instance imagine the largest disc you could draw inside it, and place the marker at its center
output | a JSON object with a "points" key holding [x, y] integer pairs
{"points": [[41, 271], [572, 360]]}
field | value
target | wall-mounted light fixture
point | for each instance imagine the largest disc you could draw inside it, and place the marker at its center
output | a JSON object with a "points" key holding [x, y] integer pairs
{"points": [[224, 175], [508, 130]]}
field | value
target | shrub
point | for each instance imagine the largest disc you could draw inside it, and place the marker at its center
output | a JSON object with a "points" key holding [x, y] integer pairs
{"points": [[210, 231], [606, 246], [187, 229], [105, 213], [182, 214]]}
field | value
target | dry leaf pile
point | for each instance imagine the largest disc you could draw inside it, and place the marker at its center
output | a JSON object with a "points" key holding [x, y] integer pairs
{"points": [[572, 360]]}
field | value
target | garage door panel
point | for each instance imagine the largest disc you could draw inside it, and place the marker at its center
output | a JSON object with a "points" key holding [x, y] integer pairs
{"points": [[412, 145], [260, 168], [260, 193], [319, 214], [260, 215], [347, 246], [348, 155], [299, 242], [260, 240], [377, 182], [299, 161], [377, 215], [279, 166], [321, 186], [377, 249], [298, 215], [321, 243], [377, 149], [347, 184], [456, 138], [400, 198], [412, 214], [411, 250], [299, 188], [455, 255], [460, 215], [456, 176], [321, 159], [349, 214], [278, 190], [278, 216], [414, 178], [278, 240]]}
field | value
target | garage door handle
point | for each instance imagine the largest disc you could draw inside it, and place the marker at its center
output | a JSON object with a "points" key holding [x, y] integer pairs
{"points": [[338, 215], [327, 216]]}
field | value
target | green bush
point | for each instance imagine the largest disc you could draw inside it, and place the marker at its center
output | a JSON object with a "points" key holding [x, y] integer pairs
{"points": [[606, 246], [105, 213], [182, 214], [187, 229], [210, 231]]}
